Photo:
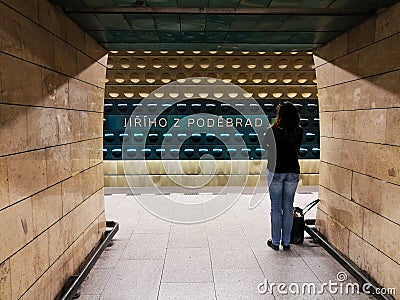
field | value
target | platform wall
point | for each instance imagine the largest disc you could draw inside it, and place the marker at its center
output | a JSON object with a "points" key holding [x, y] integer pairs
{"points": [[51, 172], [358, 77]]}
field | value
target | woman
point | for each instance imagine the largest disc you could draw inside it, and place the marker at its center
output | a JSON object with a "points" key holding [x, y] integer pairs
{"points": [[283, 172]]}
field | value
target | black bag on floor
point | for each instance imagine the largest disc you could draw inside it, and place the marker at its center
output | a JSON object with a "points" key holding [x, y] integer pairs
{"points": [[297, 234]]}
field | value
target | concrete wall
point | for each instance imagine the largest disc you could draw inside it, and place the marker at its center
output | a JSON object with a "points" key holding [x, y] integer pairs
{"points": [[51, 174], [358, 77]]}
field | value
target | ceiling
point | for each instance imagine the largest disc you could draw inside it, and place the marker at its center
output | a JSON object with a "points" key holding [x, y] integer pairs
{"points": [[245, 25]]}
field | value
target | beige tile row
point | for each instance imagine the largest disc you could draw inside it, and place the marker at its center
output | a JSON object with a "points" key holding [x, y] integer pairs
{"points": [[375, 92], [27, 219], [375, 229], [336, 179], [382, 234], [196, 180], [381, 268], [376, 160], [377, 195], [38, 86], [336, 233], [24, 128], [375, 29], [196, 167], [24, 38], [344, 211], [357, 65], [27, 173], [373, 126], [48, 258]]}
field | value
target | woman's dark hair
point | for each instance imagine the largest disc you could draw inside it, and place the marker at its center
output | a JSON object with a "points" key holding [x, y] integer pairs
{"points": [[287, 117]]}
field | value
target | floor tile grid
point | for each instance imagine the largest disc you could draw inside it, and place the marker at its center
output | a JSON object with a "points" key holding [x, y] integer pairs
{"points": [[311, 259], [266, 211], [163, 267], [212, 268]]}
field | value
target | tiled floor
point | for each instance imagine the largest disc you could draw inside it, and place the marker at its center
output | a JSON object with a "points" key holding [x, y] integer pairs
{"points": [[225, 258]]}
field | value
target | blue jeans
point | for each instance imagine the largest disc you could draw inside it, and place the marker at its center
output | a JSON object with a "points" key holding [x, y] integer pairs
{"points": [[282, 187]]}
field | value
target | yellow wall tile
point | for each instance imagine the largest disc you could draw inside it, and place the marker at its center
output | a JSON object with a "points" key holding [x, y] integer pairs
{"points": [[57, 241], [346, 68], [255, 167], [371, 125], [54, 89], [75, 36], [331, 150], [58, 163], [309, 166], [372, 228], [361, 35], [390, 202], [392, 134], [110, 167], [394, 52], [94, 94], [4, 201], [337, 234], [5, 280], [381, 62], [10, 36], [309, 179], [46, 208], [79, 157], [390, 272], [96, 151], [17, 87], [94, 50], [364, 255], [386, 166], [325, 75], [342, 128], [326, 123], [121, 181], [355, 245], [384, 24], [28, 264], [13, 129], [33, 38], [340, 181], [390, 239], [18, 221], [26, 174], [42, 127], [52, 19], [382, 91], [367, 191], [91, 237], [65, 58], [28, 8], [71, 193], [69, 230], [85, 68], [155, 167], [78, 97], [65, 120]]}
